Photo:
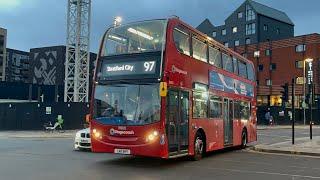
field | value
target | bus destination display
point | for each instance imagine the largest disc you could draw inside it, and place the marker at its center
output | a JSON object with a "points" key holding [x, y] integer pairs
{"points": [[129, 68]]}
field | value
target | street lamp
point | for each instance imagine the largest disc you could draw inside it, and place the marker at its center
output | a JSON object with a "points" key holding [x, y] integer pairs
{"points": [[117, 21], [308, 60]]}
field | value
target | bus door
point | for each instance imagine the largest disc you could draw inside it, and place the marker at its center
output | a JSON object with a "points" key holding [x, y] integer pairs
{"points": [[228, 121], [177, 121]]}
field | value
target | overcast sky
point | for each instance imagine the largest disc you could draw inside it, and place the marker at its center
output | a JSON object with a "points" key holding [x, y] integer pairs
{"points": [[38, 23]]}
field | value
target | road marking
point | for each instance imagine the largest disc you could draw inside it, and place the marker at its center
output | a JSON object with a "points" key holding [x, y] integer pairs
{"points": [[257, 172]]}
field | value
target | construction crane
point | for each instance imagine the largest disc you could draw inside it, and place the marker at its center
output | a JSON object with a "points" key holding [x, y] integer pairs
{"points": [[76, 87]]}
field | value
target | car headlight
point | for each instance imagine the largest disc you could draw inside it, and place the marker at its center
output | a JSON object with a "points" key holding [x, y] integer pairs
{"points": [[78, 135]]}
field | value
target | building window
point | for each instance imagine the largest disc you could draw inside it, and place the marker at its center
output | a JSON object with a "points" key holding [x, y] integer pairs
{"points": [[301, 48], [256, 54], [236, 43], [299, 64], [260, 67], [250, 15], [226, 44], [240, 15], [265, 27], [262, 100], [278, 31], [299, 80], [214, 34], [248, 41], [268, 82], [235, 29], [268, 52], [224, 32], [250, 29], [273, 66]]}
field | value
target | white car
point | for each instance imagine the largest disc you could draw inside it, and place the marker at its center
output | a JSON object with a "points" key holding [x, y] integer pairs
{"points": [[82, 140]]}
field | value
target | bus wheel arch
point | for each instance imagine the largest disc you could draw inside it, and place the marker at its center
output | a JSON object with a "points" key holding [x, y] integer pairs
{"points": [[244, 138], [200, 144]]}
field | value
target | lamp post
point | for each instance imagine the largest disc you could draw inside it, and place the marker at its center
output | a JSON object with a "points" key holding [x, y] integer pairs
{"points": [[304, 88], [117, 21]]}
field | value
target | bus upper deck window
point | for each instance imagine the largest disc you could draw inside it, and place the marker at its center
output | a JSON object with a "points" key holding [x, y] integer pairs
{"points": [[181, 40]]}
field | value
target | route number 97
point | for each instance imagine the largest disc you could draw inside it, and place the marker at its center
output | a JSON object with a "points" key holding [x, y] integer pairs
{"points": [[148, 66]]}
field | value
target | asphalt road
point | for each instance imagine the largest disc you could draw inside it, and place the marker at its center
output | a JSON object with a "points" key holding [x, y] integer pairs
{"points": [[54, 159]]}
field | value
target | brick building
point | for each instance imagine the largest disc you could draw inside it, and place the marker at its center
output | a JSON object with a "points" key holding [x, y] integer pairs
{"points": [[280, 61]]}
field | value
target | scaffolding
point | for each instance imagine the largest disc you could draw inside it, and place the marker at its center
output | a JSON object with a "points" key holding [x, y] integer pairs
{"points": [[77, 51]]}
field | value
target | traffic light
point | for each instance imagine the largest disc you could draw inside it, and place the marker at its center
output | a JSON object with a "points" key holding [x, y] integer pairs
{"points": [[285, 92], [308, 100]]}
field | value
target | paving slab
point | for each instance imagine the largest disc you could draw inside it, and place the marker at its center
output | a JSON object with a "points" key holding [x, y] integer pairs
{"points": [[302, 146], [264, 127]]}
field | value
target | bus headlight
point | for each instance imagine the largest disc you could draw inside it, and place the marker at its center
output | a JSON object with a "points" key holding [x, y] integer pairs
{"points": [[97, 134], [152, 136]]}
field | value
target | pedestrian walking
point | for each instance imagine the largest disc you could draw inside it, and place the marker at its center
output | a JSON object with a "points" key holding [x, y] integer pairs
{"points": [[267, 116]]}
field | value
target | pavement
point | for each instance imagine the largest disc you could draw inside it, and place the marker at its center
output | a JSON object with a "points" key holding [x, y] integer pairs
{"points": [[278, 139], [302, 146], [37, 134], [264, 127]]}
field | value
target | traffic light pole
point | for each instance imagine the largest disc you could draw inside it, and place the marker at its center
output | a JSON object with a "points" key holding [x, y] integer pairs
{"points": [[293, 110], [310, 107]]}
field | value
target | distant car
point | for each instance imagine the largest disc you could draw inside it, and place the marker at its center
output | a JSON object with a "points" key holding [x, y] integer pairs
{"points": [[82, 140]]}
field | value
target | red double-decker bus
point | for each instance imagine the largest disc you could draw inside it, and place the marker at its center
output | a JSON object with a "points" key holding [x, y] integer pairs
{"points": [[164, 89]]}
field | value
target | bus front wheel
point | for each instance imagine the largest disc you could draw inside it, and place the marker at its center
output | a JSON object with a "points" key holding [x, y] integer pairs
{"points": [[198, 147]]}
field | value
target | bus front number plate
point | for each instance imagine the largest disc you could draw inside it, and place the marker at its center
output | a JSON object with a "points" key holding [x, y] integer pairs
{"points": [[122, 151]]}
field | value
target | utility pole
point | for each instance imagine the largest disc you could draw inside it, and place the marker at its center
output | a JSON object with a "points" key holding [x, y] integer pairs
{"points": [[77, 51], [310, 107], [293, 110]]}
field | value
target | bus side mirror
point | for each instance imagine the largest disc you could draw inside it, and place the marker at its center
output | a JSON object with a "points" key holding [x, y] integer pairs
{"points": [[88, 118], [163, 89]]}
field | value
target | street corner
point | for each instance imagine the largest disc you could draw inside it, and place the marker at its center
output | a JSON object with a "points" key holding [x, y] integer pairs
{"points": [[302, 146]]}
